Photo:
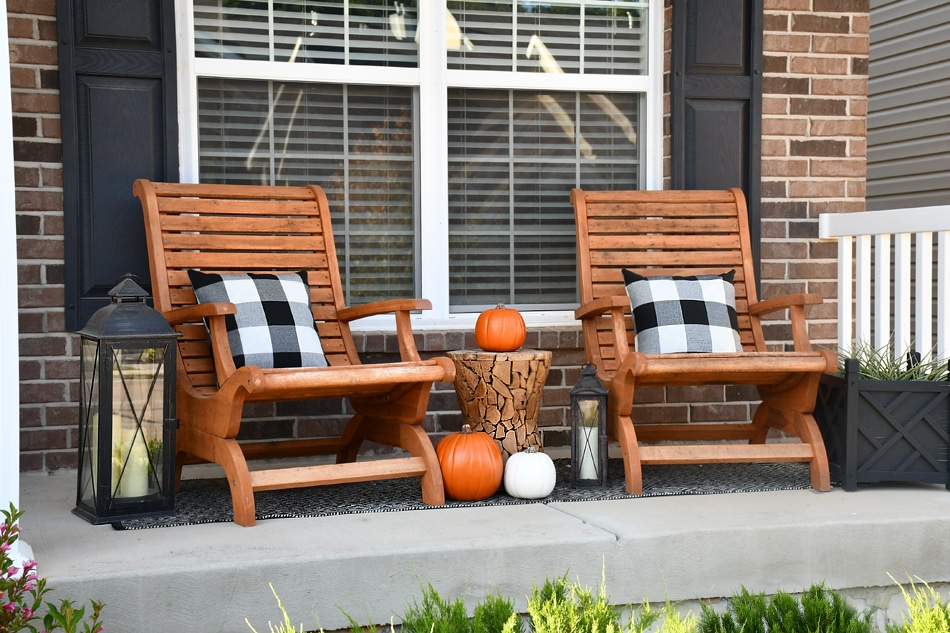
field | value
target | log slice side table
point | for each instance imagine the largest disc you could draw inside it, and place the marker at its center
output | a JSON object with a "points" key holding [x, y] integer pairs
{"points": [[500, 394]]}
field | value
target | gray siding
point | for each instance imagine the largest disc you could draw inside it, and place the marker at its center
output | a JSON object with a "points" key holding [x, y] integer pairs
{"points": [[909, 104]]}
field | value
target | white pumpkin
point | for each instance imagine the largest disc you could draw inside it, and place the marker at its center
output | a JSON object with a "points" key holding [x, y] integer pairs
{"points": [[529, 474]]}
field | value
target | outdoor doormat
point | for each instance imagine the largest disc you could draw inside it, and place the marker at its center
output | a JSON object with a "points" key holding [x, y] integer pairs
{"points": [[209, 500]]}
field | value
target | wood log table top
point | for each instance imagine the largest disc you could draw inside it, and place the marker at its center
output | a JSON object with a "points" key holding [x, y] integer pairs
{"points": [[499, 393]]}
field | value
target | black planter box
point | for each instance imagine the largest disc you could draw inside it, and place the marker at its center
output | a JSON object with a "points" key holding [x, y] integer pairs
{"points": [[884, 430]]}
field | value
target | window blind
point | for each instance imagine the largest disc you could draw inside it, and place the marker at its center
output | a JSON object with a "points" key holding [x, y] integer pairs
{"points": [[357, 142], [513, 158], [570, 36], [367, 32]]}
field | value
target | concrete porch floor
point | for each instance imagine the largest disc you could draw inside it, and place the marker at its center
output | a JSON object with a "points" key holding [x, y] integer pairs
{"points": [[211, 577]]}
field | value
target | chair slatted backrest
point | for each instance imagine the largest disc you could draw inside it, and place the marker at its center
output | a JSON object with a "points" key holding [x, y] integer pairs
{"points": [[660, 233], [241, 228]]}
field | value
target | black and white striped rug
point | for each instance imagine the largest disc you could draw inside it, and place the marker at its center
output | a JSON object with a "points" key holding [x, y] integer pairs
{"points": [[209, 501]]}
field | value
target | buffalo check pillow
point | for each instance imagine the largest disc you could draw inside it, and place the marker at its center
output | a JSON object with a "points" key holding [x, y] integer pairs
{"points": [[273, 326], [684, 314]]}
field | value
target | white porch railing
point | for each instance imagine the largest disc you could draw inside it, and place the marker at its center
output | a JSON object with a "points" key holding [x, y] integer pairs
{"points": [[893, 278]]}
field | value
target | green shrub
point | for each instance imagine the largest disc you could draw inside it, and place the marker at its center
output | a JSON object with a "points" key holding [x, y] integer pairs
{"points": [[820, 609], [563, 607], [926, 612]]}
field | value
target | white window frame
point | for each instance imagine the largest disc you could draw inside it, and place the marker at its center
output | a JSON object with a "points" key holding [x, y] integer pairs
{"points": [[433, 81]]}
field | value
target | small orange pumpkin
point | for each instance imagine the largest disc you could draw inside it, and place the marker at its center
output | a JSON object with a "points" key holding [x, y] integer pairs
{"points": [[471, 465], [500, 329]]}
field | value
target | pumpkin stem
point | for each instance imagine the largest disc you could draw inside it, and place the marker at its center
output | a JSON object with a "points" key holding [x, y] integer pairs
{"points": [[500, 306], [466, 428], [531, 449]]}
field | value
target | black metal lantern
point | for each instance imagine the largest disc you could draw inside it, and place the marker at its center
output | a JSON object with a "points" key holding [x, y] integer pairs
{"points": [[589, 430], [127, 418]]}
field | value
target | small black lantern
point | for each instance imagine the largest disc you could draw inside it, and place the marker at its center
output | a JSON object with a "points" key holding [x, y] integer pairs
{"points": [[127, 418], [589, 430]]}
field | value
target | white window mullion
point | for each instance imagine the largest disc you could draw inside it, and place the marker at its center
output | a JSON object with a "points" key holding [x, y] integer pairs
{"points": [[433, 161], [187, 93]]}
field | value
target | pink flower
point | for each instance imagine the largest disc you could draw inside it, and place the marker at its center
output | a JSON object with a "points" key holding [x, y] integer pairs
{"points": [[28, 586], [12, 571], [28, 565], [27, 612], [9, 607], [4, 547]]}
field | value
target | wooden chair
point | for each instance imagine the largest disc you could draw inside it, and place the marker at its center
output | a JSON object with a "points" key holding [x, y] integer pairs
{"points": [[235, 228], [692, 233]]}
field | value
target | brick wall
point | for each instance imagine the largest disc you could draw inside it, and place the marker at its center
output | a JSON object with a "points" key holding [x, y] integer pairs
{"points": [[813, 151], [813, 145], [48, 366]]}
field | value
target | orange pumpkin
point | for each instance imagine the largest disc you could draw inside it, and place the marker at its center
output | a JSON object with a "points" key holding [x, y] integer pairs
{"points": [[471, 465], [500, 329]]}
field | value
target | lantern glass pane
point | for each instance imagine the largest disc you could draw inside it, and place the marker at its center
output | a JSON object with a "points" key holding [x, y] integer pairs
{"points": [[137, 421], [89, 422], [588, 438]]}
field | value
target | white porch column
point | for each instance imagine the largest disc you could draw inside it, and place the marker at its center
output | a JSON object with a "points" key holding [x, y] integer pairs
{"points": [[9, 352]]}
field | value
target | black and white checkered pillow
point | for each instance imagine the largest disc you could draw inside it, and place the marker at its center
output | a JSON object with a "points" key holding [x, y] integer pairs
{"points": [[684, 314], [273, 326]]}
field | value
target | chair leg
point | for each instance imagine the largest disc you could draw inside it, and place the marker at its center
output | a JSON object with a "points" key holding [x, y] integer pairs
{"points": [[818, 466], [227, 454], [626, 435]]}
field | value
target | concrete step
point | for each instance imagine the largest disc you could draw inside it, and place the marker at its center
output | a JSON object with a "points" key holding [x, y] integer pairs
{"points": [[211, 577]]}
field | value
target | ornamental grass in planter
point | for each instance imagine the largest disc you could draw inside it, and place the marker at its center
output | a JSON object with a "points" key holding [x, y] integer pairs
{"points": [[885, 419]]}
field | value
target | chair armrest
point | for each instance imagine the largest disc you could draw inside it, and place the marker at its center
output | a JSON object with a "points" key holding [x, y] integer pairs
{"points": [[796, 311], [785, 301], [382, 307], [408, 350], [197, 312], [599, 307], [217, 331], [616, 306]]}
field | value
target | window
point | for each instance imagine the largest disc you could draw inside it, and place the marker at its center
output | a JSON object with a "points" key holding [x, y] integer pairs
{"points": [[447, 135]]}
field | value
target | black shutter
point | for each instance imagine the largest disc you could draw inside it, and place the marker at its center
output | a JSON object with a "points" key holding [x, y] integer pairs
{"points": [[119, 117], [716, 99]]}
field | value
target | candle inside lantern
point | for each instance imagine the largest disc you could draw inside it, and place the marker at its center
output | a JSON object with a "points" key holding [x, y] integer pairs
{"points": [[589, 452], [590, 440], [134, 459]]}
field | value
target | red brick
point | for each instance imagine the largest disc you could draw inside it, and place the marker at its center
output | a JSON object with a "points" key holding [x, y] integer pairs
{"points": [[812, 23], [61, 460], [784, 250], [861, 24], [818, 107], [31, 7], [859, 106], [786, 43], [51, 127], [859, 147], [775, 22], [774, 105], [36, 392], [52, 176], [842, 44], [774, 189], [785, 167], [47, 345], [842, 6], [784, 127], [819, 147], [854, 168], [20, 28], [775, 64], [53, 225], [859, 65], [37, 151], [44, 55], [774, 147], [62, 369], [857, 188], [784, 209], [28, 248], [837, 206], [816, 189], [21, 77], [719, 413], [31, 322], [838, 127], [26, 176], [857, 86], [29, 274], [787, 5], [39, 200], [41, 297], [31, 462], [703, 393], [47, 29], [819, 65], [35, 102]]}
